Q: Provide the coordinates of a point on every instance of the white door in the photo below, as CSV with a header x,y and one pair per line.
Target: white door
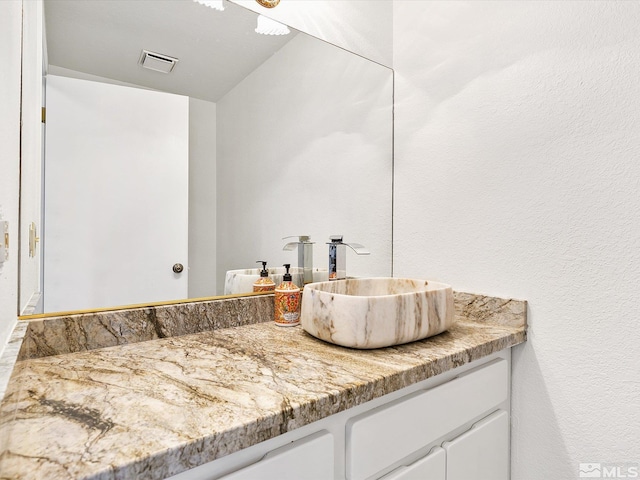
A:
x,y
116,195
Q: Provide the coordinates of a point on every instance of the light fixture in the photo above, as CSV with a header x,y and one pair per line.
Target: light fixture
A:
x,y
268,3
157,61
215,4
266,26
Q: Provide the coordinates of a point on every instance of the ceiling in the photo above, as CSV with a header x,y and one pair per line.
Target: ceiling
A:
x,y
215,49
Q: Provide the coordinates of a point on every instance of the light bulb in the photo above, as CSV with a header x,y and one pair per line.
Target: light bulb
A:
x,y
266,26
215,4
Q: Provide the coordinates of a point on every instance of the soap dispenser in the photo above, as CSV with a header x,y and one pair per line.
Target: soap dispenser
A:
x,y
287,307
264,283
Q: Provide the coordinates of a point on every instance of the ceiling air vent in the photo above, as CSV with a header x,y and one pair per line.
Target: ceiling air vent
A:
x,y
157,61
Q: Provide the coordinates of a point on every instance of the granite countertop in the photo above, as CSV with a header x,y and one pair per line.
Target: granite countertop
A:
x,y
155,408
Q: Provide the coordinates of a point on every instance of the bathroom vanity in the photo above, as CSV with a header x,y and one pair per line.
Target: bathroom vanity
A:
x,y
454,426
259,401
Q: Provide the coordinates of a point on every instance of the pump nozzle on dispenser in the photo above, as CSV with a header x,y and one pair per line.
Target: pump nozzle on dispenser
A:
x,y
287,276
264,283
263,272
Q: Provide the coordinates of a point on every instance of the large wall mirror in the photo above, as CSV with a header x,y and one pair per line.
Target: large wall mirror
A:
x,y
248,139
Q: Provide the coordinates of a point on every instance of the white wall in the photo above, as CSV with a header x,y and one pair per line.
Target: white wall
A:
x,y
303,149
518,175
10,52
363,27
202,198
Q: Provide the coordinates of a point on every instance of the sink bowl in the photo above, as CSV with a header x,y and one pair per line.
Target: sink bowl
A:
x,y
241,281
376,312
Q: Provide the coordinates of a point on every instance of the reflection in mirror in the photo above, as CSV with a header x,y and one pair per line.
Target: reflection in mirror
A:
x,y
249,139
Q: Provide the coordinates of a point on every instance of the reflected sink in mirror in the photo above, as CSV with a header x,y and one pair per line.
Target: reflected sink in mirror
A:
x,y
241,281
376,312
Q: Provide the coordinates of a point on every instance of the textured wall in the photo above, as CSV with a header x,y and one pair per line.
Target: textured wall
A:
x,y
517,174
10,51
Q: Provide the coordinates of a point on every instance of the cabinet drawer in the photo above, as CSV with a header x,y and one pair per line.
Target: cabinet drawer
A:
x,y
310,458
383,436
431,467
482,452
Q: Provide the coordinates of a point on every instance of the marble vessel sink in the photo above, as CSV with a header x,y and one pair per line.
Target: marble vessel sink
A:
x,y
376,312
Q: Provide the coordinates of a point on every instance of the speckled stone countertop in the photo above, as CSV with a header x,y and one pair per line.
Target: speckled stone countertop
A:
x,y
152,409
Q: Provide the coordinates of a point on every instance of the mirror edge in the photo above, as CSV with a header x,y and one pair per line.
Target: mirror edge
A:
x,y
39,316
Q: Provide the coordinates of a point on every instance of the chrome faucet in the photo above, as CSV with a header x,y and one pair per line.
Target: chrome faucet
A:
x,y
338,256
305,254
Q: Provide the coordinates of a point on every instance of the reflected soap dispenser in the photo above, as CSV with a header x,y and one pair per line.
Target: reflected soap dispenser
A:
x,y
264,283
287,307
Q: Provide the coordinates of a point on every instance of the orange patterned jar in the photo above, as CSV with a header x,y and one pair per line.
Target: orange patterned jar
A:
x,y
287,306
264,285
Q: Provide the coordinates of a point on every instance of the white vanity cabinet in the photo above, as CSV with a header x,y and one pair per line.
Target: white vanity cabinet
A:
x,y
482,452
454,426
431,467
383,436
309,458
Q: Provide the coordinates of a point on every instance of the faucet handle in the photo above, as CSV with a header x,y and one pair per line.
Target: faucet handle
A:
x,y
293,245
301,238
356,247
359,249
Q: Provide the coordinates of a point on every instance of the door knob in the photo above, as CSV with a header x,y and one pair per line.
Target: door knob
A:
x,y
178,268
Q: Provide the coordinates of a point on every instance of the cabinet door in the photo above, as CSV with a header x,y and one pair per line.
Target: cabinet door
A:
x,y
310,458
379,438
481,453
431,467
